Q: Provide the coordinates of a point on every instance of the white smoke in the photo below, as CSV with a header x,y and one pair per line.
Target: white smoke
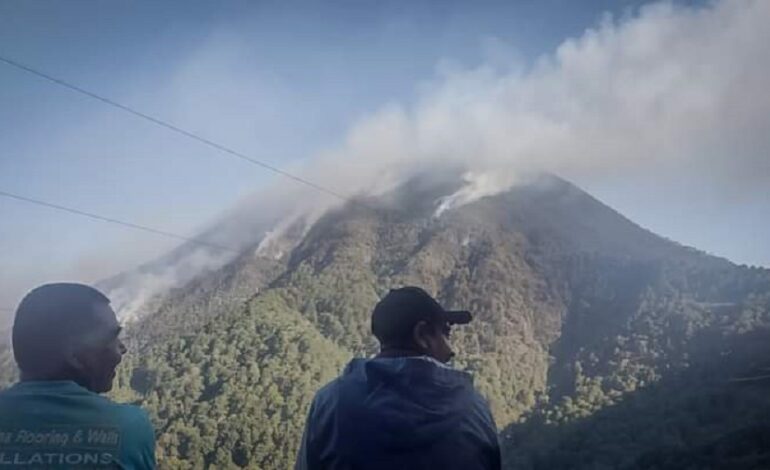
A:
x,y
262,225
672,89
280,240
138,287
476,186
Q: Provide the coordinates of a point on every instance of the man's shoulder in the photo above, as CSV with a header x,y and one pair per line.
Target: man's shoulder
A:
x,y
131,419
6,393
71,402
480,411
327,393
124,414
130,415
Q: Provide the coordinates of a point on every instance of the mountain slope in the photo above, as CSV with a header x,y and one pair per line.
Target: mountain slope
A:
x,y
578,311
576,306
712,414
222,397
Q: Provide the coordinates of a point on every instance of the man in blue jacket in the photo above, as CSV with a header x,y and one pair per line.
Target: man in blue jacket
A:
x,y
404,409
66,344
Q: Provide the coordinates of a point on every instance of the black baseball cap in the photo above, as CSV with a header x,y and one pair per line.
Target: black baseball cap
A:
x,y
395,315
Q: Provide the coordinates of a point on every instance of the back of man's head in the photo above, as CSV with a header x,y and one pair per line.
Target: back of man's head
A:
x,y
408,321
48,320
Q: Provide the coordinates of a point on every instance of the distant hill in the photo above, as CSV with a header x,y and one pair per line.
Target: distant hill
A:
x,y
597,343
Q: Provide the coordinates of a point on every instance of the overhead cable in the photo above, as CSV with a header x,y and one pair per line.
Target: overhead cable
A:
x,y
111,220
175,129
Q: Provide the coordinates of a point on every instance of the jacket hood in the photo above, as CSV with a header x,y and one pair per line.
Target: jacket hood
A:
x,y
402,402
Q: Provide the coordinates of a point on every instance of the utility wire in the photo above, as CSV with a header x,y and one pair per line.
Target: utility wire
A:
x,y
750,379
168,126
115,221
176,129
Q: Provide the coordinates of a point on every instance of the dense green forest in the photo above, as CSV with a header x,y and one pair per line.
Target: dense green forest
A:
x,y
597,343
228,395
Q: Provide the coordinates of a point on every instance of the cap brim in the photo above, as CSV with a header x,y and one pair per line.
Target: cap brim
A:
x,y
458,317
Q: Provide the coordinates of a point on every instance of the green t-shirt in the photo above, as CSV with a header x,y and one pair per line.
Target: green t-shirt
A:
x,y
63,425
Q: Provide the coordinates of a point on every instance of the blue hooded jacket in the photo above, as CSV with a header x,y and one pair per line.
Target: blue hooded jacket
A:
x,y
399,413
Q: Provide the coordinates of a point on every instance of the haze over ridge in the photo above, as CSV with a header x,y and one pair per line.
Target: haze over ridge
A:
x,y
669,93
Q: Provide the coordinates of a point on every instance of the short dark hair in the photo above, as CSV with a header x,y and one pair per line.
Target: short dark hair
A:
x,y
46,318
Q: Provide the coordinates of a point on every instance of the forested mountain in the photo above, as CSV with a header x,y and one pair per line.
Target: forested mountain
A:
x,y
597,343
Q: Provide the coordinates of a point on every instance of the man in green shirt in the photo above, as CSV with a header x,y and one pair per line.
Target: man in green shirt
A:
x,y
67,346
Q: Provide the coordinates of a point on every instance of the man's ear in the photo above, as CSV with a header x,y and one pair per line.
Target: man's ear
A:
x,y
419,336
72,358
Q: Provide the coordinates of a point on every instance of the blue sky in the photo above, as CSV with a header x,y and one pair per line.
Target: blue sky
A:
x,y
280,81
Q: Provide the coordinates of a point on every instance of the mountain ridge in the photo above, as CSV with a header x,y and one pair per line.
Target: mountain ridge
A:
x,y
577,309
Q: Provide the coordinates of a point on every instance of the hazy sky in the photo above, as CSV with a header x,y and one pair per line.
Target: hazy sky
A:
x,y
287,81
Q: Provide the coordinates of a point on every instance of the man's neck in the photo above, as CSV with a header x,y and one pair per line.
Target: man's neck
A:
x,y
399,352
52,377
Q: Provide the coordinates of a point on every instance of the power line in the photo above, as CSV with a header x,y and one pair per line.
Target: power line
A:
x,y
168,126
116,221
750,379
176,129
